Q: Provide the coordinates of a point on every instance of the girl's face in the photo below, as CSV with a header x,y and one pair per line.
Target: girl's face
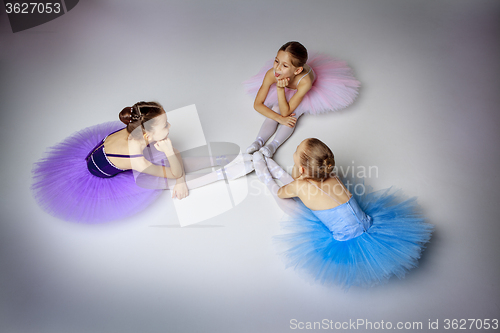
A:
x,y
283,67
160,128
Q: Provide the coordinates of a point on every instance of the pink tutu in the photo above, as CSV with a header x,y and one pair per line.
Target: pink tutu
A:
x,y
334,88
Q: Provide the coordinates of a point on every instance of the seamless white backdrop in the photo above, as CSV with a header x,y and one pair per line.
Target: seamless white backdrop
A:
x,y
426,117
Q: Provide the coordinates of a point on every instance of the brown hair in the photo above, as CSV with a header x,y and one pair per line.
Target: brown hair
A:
x,y
297,51
139,115
318,160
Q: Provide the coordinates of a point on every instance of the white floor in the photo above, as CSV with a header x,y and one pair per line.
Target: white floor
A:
x,y
426,117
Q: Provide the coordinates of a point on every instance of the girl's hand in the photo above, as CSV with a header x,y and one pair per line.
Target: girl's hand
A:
x,y
282,83
180,191
165,146
288,121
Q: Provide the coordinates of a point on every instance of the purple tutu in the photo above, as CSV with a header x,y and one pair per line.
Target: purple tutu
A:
x,y
334,88
64,187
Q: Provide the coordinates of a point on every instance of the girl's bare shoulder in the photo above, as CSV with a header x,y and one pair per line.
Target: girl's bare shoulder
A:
x,y
306,79
303,186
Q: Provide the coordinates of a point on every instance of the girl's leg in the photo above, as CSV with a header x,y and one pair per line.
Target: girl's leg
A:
x,y
282,134
232,171
194,163
266,131
239,167
201,157
289,206
277,172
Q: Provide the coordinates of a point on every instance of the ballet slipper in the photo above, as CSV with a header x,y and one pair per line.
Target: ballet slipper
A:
x,y
239,169
255,146
268,150
276,171
261,168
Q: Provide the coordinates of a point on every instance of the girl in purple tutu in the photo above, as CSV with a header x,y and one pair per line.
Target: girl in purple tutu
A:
x,y
295,85
337,236
92,176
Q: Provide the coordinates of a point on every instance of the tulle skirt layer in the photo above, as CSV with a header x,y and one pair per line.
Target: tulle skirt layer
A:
x,y
335,86
390,247
64,188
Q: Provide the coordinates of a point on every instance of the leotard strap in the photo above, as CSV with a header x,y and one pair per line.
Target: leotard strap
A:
x,y
117,155
101,145
341,184
310,69
124,156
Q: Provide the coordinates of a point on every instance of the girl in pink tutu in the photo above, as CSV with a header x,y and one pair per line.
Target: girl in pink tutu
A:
x,y
88,177
296,85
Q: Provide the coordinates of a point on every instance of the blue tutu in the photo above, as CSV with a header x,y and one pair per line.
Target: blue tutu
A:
x,y
64,187
389,244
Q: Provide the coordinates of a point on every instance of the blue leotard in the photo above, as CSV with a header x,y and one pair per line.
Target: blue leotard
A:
x,y
345,221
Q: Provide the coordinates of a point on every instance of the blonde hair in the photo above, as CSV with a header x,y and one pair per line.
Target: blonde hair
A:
x,y
317,160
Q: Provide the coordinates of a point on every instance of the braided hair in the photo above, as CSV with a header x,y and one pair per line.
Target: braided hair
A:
x,y
317,160
139,115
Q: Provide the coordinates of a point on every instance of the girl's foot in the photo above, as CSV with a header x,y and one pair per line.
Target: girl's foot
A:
x,y
277,172
261,168
239,167
255,146
268,150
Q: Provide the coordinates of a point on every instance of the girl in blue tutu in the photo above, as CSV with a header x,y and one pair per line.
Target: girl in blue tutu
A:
x,y
89,176
336,236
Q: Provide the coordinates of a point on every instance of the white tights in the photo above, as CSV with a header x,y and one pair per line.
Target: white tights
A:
x,y
240,165
267,130
268,172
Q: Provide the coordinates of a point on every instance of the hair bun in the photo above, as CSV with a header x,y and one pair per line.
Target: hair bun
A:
x,y
126,116
139,115
130,114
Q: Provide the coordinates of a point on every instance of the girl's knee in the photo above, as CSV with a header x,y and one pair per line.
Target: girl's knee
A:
x,y
298,114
